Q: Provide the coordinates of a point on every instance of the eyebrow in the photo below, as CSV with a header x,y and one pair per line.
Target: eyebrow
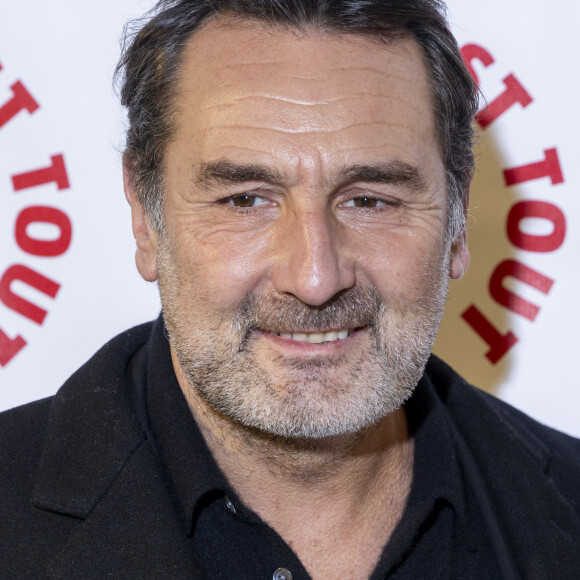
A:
x,y
395,173
228,173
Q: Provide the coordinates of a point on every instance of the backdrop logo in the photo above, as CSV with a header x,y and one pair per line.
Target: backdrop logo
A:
x,y
546,165
19,104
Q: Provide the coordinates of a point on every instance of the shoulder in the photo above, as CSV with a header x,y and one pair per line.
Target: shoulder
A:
x,y
492,427
21,434
59,454
523,476
23,429
31,417
464,399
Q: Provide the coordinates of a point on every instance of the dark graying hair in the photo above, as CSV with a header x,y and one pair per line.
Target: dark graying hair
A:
x,y
153,47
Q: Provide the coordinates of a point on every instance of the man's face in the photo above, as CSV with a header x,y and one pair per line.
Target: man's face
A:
x,y
303,270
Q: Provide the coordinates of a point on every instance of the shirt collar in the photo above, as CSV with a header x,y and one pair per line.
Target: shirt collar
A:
x,y
437,473
189,468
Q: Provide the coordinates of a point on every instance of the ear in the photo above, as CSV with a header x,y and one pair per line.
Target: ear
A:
x,y
459,251
145,236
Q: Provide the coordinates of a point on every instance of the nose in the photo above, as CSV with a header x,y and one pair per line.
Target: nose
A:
x,y
312,260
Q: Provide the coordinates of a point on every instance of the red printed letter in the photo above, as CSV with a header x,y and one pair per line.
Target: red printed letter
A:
x,y
54,173
33,279
549,167
471,52
513,94
498,343
531,242
526,275
47,215
9,347
21,100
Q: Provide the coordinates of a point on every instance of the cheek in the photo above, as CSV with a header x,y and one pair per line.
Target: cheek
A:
x,y
221,270
403,268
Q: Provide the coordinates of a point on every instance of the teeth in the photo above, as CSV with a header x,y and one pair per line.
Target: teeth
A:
x,y
316,337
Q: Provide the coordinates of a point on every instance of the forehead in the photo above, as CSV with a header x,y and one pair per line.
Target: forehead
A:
x,y
306,90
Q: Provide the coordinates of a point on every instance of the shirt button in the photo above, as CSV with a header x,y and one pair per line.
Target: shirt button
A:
x,y
230,506
282,574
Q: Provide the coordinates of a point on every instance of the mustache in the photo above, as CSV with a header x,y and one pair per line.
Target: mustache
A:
x,y
350,308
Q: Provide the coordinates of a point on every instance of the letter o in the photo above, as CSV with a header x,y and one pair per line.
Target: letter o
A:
x,y
47,215
531,242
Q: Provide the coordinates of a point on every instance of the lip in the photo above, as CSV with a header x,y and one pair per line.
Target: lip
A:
x,y
298,348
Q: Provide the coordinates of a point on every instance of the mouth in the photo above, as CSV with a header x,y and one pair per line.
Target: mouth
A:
x,y
319,337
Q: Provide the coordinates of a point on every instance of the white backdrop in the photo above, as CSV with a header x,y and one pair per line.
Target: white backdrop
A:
x,y
67,277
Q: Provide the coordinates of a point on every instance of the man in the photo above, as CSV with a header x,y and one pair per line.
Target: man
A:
x,y
298,175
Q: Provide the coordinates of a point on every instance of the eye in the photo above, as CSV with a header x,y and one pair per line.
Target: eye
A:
x,y
247,201
364,202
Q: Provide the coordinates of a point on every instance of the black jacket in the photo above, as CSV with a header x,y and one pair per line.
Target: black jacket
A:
x,y
81,494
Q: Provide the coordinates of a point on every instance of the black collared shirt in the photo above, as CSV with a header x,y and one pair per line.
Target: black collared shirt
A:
x,y
441,534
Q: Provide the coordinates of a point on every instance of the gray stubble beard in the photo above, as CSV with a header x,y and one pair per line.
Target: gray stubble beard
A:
x,y
309,404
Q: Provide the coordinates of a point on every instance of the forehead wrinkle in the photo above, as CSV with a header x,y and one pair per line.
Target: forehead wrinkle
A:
x,y
328,79
325,75
330,83
302,130
295,101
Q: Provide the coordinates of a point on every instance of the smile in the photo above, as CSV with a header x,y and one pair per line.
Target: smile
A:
x,y
316,337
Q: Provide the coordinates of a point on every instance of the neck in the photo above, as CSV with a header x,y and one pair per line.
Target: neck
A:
x,y
335,501
353,465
